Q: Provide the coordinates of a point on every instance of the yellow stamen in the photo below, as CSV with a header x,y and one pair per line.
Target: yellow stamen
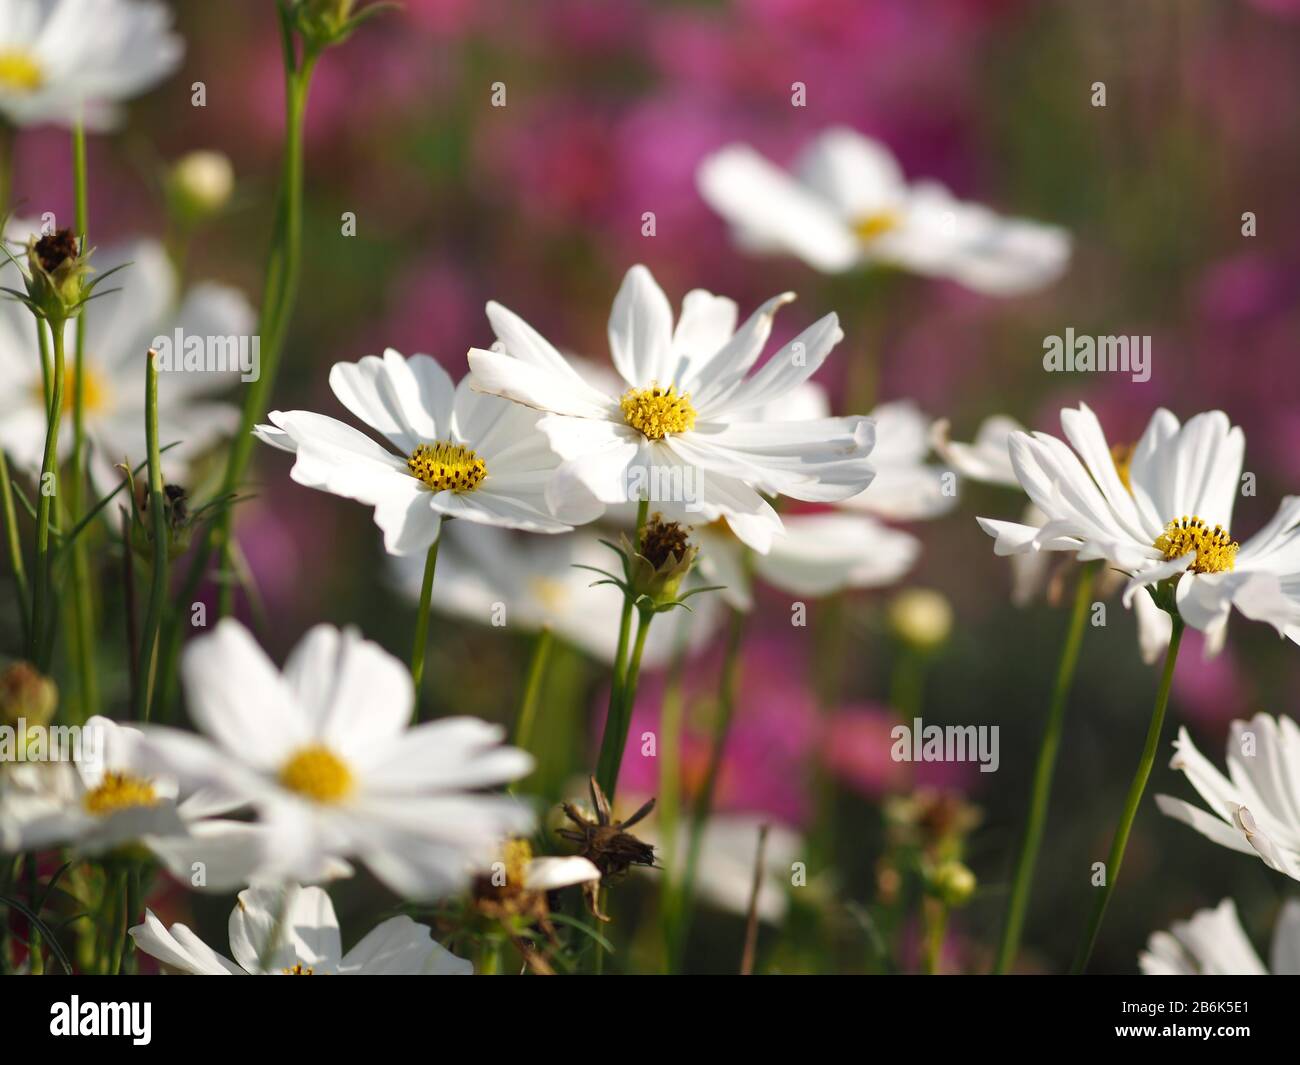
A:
x,y
94,392
317,773
1216,550
118,791
299,970
516,854
656,411
1122,456
19,72
877,224
447,467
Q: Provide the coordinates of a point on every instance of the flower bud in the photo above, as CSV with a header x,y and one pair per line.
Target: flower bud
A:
x,y
56,275
920,617
26,694
952,883
325,22
199,185
666,556
180,524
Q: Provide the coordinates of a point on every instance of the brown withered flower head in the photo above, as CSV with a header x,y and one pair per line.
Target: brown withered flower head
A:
x,y
54,249
606,843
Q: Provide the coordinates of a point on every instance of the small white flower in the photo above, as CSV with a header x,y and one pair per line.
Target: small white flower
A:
x,y
293,931
684,430
462,454
323,753
525,583
1256,808
120,328
111,796
1213,943
1162,511
61,60
847,204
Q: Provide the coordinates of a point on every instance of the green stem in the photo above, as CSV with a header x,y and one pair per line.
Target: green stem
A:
x,y
625,621
422,621
158,522
14,544
1044,770
279,294
527,719
614,741
279,291
82,603
936,925
47,490
1131,804
703,805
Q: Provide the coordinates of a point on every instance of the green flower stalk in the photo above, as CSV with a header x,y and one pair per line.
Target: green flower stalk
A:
x,y
653,571
422,621
159,529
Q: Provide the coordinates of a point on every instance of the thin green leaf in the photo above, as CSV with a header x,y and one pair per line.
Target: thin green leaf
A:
x,y
55,947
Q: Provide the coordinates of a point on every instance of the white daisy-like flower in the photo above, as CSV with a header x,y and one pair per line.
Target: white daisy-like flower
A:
x,y
503,579
683,430
323,752
65,60
293,931
1213,943
987,460
120,328
460,454
1255,809
728,856
847,204
1161,511
109,796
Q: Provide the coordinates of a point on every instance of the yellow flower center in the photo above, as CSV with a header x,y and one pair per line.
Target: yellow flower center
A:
x,y
551,593
447,467
94,392
1216,550
1122,456
869,227
516,854
19,72
118,791
656,412
299,970
318,774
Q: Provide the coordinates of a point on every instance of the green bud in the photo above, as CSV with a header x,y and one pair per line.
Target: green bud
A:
x,y
920,617
952,883
27,694
199,185
665,558
56,275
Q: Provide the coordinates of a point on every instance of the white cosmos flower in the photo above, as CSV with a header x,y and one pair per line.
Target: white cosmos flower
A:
x,y
1162,510
987,460
847,204
120,328
728,855
293,931
109,796
324,754
461,454
1213,943
526,583
61,60
1256,808
683,430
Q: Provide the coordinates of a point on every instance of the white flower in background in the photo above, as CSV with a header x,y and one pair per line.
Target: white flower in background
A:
x,y
292,931
1162,510
324,754
120,328
847,204
988,461
110,796
1255,809
1213,943
462,454
728,854
523,583
683,430
61,60
819,555
906,487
